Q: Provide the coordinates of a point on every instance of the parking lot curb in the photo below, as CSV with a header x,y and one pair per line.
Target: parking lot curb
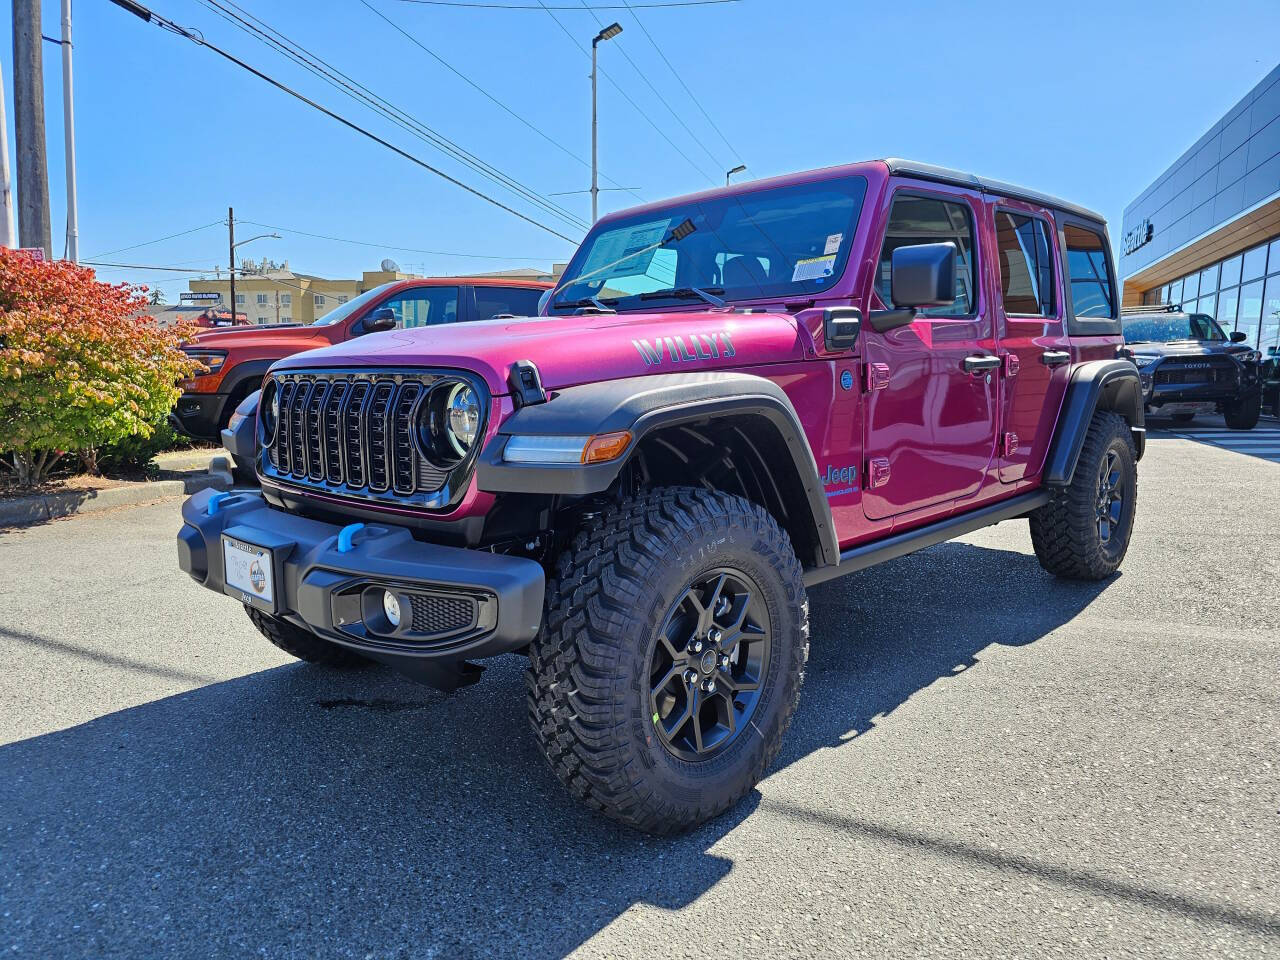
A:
x,y
24,511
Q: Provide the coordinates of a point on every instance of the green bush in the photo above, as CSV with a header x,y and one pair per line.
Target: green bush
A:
x,y
132,456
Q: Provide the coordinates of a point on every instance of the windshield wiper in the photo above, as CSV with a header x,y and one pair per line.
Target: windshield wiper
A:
x,y
599,304
688,293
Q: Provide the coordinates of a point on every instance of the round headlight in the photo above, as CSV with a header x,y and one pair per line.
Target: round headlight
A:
x,y
269,410
462,409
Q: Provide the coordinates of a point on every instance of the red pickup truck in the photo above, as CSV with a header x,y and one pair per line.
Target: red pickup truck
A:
x,y
238,357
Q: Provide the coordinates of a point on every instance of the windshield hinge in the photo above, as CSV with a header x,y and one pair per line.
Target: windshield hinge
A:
x,y
526,384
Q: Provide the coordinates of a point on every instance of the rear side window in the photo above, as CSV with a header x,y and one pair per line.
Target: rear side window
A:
x,y
517,301
931,220
1089,272
1026,264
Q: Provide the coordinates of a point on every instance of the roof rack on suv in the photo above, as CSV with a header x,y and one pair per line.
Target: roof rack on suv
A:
x,y
1152,308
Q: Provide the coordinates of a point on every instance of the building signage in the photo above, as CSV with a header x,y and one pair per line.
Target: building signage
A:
x,y
209,297
1139,236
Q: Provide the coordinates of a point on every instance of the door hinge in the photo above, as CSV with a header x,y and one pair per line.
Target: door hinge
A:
x,y
1008,444
877,472
876,376
1011,364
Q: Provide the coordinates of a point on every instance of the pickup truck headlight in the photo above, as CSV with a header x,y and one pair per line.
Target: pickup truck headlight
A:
x,y
1144,360
213,359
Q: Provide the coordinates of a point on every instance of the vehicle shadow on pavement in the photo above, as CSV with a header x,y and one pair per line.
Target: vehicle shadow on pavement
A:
x,y
303,812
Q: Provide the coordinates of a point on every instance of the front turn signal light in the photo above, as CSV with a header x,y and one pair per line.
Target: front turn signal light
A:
x,y
604,447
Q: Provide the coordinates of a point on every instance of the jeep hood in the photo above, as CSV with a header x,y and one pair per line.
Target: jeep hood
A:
x,y
569,350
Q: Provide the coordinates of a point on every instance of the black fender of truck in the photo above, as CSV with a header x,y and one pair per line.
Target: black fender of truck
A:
x,y
1096,385
643,406
246,372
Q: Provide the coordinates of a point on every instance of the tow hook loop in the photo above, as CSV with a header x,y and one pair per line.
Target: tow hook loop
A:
x,y
346,535
215,502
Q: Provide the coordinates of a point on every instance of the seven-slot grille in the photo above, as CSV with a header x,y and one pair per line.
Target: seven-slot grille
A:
x,y
353,433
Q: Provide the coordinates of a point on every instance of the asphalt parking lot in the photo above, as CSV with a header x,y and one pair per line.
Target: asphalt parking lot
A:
x,y
985,762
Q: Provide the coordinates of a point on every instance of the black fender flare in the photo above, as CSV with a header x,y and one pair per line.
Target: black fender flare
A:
x,y
643,405
242,438
248,370
1098,384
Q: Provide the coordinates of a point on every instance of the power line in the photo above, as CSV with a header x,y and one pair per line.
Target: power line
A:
x,y
663,100
318,66
625,95
448,66
169,25
632,7
138,266
160,240
477,5
386,246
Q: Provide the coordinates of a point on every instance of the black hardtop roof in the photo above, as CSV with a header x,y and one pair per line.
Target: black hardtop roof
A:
x,y
929,171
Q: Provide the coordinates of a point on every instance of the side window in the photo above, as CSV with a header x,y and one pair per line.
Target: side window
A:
x,y
424,307
916,219
517,301
1089,272
1026,264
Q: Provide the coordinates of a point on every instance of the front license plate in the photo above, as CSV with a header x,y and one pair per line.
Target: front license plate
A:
x,y
247,570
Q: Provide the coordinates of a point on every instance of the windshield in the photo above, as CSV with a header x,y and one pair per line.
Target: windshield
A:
x,y
785,242
344,310
1164,327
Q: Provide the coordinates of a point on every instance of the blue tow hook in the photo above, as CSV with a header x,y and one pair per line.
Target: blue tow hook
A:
x,y
346,536
215,502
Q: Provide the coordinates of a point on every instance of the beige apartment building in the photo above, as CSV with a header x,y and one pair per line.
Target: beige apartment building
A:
x,y
276,294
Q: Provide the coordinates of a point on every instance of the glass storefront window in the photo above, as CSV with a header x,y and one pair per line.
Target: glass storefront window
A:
x,y
1190,287
1231,271
1255,263
1226,313
1175,292
1250,310
1269,335
1273,263
1208,279
1207,304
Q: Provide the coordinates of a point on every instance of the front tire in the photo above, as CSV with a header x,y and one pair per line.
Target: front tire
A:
x,y
671,657
303,644
1082,533
1242,414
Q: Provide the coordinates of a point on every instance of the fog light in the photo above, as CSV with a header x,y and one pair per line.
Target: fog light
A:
x,y
391,607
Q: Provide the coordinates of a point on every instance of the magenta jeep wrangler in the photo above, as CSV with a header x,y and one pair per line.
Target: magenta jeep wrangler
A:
x,y
730,398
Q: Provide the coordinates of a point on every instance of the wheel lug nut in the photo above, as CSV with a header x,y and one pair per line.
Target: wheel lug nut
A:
x,y
724,662
715,635
709,686
690,677
697,646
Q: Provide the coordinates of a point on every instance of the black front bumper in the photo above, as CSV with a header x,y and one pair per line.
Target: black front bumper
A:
x,y
456,603
199,415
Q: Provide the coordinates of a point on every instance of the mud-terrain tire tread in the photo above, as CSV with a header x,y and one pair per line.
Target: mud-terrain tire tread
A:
x,y
1064,531
595,595
303,644
1243,414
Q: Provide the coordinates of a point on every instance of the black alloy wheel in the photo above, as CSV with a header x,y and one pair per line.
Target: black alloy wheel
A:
x,y
1111,496
706,664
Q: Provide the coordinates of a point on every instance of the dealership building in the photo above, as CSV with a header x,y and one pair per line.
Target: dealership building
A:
x,y
1206,233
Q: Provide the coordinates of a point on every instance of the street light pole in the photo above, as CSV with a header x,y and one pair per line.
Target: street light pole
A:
x,y
231,252
69,133
608,33
729,173
7,236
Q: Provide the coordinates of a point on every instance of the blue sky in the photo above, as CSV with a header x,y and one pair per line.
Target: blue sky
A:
x,y
1090,101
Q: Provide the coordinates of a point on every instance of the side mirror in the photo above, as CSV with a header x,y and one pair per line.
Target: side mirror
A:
x,y
1239,336
924,275
382,319
840,327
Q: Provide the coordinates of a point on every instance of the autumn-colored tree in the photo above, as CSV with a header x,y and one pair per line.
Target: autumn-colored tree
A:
x,y
81,364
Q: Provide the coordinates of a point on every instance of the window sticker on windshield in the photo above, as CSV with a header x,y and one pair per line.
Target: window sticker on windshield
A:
x,y
811,268
616,246
833,243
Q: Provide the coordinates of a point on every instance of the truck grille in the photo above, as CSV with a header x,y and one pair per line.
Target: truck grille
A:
x,y
353,434
1196,370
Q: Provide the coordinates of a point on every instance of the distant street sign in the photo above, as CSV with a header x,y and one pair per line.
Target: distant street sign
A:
x,y
200,297
35,253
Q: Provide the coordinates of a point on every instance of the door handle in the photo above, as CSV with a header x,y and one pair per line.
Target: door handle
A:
x,y
979,364
1055,358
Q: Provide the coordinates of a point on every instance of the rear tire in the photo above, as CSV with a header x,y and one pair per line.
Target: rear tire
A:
x,y
1243,414
1082,533
303,644
659,616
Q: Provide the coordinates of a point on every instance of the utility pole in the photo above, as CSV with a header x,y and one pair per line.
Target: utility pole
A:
x,y
608,33
7,236
69,133
231,252
28,123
